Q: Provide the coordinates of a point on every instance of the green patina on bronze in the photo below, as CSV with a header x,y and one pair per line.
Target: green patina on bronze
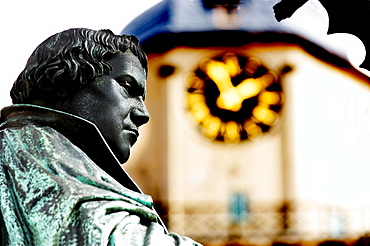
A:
x,y
61,180
53,194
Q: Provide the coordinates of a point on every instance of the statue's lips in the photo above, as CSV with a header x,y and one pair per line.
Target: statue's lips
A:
x,y
133,134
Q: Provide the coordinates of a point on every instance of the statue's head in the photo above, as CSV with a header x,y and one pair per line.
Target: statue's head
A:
x,y
65,62
95,75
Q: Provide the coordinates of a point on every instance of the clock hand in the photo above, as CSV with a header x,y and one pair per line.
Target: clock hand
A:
x,y
249,88
253,86
232,99
232,64
218,72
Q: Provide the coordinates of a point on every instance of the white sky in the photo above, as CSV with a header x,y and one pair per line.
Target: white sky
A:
x,y
26,23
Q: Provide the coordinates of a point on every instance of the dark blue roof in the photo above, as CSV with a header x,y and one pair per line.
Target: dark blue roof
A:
x,y
173,23
152,22
179,16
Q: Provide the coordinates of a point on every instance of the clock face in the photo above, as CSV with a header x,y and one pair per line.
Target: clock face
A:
x,y
234,98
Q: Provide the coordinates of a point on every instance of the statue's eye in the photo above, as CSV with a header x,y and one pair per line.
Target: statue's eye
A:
x,y
131,86
127,85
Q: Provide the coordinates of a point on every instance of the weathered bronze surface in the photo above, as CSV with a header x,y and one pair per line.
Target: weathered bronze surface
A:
x,y
77,108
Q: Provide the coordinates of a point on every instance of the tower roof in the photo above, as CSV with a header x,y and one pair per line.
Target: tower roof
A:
x,y
205,23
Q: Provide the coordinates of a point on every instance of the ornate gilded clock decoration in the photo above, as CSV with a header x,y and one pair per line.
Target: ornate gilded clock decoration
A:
x,y
234,98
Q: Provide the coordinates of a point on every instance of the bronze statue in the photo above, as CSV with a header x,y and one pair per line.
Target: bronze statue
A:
x,y
77,108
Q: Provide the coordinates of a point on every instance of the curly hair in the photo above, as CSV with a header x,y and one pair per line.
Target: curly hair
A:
x,y
65,62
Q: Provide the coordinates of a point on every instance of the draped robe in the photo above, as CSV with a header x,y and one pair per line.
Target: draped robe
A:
x,y
60,184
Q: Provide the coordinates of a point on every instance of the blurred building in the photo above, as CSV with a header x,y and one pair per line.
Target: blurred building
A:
x,y
259,129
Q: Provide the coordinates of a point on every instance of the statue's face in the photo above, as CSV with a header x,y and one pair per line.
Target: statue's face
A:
x,y
115,103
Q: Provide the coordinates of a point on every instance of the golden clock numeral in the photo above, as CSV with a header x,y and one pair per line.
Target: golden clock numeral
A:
x,y
251,66
268,78
197,106
195,98
232,132
271,97
252,129
200,114
232,64
211,126
195,84
264,115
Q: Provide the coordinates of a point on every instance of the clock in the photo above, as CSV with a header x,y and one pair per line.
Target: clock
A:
x,y
234,98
